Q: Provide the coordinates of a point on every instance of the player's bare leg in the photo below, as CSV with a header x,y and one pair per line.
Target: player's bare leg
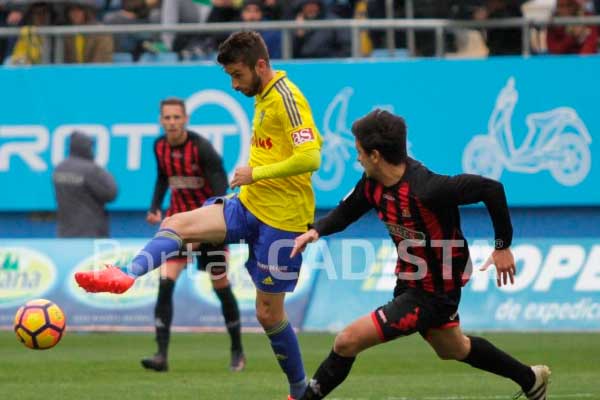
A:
x,y
452,344
163,314
355,338
204,225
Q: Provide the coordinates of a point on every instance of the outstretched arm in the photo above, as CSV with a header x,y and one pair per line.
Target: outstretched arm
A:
x,y
300,162
470,189
349,210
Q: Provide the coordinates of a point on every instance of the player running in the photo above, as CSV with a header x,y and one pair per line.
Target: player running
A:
x,y
420,211
275,204
189,165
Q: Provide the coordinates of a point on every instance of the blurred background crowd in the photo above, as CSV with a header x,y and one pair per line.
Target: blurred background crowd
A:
x,y
31,48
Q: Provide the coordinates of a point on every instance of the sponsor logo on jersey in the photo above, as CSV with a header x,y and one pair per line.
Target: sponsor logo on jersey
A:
x,y
264,143
404,232
186,182
302,136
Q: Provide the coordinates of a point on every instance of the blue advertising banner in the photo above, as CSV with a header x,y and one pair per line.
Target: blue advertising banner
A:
x,y
557,286
44,269
498,117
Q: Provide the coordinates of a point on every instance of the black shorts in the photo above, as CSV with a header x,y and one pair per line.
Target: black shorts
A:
x,y
209,258
413,310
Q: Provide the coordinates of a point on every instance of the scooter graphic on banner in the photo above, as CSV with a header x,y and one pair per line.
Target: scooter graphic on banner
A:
x,y
556,140
338,142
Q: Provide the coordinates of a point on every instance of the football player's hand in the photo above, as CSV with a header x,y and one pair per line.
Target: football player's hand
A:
x,y
505,266
154,217
242,176
301,241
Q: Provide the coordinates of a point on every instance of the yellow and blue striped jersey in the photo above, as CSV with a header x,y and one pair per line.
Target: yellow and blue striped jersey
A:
x,y
283,125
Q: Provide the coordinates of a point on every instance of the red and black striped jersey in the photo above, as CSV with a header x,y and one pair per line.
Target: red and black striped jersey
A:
x,y
192,170
421,214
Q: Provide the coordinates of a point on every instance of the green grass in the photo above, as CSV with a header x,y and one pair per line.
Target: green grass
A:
x,y
106,366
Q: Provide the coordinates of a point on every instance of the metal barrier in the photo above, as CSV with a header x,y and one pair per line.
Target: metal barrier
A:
x,y
439,26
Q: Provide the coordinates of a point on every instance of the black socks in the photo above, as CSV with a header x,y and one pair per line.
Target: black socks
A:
x,y
487,357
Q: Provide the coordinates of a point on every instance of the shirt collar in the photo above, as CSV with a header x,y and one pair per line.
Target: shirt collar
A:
x,y
278,76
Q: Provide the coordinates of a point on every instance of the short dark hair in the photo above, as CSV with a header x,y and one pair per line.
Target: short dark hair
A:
x,y
173,101
382,131
245,46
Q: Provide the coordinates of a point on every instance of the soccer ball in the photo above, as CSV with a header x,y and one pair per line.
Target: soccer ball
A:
x,y
39,324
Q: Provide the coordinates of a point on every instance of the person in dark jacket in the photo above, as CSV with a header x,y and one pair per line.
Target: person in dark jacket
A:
x,y
82,189
501,41
320,43
252,11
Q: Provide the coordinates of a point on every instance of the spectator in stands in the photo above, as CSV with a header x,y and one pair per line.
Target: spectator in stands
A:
x,y
199,46
32,48
252,12
424,40
342,8
573,39
80,48
501,41
82,189
134,12
319,43
5,11
275,10
182,11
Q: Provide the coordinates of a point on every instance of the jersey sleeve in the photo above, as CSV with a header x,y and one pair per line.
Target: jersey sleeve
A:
x,y
212,165
463,189
297,121
351,208
161,184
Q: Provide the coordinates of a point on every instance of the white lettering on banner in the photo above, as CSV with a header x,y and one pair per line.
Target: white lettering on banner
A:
x,y
134,134
480,251
528,258
98,132
216,133
31,142
508,311
534,270
28,151
365,249
562,262
545,312
589,279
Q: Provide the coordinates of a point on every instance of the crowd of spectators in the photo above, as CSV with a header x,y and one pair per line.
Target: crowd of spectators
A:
x,y
31,48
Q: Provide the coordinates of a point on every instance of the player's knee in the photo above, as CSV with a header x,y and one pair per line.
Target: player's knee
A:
x,y
266,317
174,223
166,223
452,353
347,344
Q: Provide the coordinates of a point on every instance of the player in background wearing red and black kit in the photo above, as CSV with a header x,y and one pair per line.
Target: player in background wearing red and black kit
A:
x,y
189,165
420,211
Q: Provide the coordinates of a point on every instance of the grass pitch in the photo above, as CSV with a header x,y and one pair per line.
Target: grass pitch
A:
x,y
106,366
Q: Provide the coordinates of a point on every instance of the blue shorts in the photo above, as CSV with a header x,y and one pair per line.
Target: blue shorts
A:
x,y
269,263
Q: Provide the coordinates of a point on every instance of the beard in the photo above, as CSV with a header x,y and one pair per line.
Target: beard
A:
x,y
255,87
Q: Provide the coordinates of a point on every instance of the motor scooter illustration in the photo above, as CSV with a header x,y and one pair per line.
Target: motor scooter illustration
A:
x,y
556,140
338,143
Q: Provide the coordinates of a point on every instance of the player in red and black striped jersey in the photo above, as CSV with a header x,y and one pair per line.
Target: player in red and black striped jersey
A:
x,y
420,210
189,166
